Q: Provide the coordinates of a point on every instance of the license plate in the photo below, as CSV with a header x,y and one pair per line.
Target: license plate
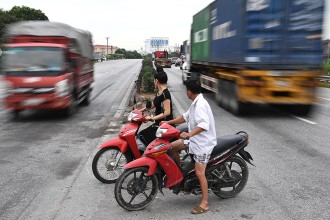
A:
x,y
35,101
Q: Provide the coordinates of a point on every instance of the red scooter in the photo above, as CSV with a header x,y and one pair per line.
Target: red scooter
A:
x,y
226,172
109,161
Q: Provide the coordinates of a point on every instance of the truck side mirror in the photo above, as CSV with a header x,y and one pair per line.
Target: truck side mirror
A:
x,y
74,62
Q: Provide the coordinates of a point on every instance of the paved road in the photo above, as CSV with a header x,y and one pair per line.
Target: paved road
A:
x,y
50,177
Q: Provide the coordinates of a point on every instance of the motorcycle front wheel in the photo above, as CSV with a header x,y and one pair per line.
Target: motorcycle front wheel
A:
x,y
134,190
108,164
229,187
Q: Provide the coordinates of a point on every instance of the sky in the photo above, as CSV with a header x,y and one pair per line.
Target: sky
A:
x,y
128,23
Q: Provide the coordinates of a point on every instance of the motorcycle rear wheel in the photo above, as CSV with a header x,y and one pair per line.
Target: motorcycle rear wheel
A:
x,y
104,164
239,172
134,190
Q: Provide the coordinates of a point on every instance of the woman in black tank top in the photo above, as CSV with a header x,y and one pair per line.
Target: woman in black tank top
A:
x,y
163,104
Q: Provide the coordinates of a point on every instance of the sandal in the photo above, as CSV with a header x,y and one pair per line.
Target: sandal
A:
x,y
198,210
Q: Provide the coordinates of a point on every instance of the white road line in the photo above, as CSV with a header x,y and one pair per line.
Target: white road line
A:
x,y
324,98
305,120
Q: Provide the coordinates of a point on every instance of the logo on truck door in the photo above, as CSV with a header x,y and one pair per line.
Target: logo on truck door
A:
x,y
200,36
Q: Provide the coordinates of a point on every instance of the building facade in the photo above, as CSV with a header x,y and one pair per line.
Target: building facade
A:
x,y
104,50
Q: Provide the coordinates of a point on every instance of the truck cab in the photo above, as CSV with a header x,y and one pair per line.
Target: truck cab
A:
x,y
46,70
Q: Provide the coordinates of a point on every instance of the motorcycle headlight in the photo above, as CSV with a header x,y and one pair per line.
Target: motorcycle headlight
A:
x,y
160,132
131,116
62,88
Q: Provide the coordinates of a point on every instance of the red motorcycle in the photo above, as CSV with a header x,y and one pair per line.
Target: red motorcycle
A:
x,y
109,161
226,172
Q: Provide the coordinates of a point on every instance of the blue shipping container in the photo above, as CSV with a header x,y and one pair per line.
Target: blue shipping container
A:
x,y
259,34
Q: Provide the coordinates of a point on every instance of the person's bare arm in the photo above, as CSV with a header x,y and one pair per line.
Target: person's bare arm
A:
x,y
167,111
194,132
177,120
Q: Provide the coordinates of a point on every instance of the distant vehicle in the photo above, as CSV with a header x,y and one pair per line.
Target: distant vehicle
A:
x,y
161,59
47,65
173,59
178,62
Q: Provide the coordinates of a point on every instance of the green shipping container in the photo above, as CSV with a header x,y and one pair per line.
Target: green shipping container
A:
x,y
200,35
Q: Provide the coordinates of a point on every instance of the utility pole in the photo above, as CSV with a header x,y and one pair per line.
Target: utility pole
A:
x,y
107,44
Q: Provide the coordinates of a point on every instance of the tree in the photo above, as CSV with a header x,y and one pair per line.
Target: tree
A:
x,y
120,51
24,13
18,14
129,54
5,18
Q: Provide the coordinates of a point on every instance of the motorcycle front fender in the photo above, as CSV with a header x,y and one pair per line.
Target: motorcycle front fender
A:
x,y
142,162
116,142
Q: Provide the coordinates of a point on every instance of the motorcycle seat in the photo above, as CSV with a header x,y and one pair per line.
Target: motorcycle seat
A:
x,y
226,142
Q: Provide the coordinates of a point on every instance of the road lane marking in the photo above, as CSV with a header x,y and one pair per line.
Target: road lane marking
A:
x,y
324,98
305,120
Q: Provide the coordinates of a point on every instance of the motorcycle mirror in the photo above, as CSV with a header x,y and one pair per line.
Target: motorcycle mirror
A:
x,y
148,104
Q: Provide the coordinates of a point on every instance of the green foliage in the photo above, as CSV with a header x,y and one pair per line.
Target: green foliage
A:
x,y
5,18
24,13
129,54
147,73
120,51
18,14
115,57
326,67
148,79
147,62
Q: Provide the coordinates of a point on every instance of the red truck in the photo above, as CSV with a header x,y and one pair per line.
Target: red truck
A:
x,y
47,65
161,59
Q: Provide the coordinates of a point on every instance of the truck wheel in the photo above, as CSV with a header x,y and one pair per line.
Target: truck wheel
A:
x,y
71,109
219,95
225,94
235,106
299,109
86,100
15,113
302,110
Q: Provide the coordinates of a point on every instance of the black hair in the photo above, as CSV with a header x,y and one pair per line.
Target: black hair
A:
x,y
194,86
161,77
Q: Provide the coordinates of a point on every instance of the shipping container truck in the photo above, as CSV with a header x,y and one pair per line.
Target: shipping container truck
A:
x,y
161,59
47,65
264,51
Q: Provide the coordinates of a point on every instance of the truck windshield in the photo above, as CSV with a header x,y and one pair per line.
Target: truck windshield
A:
x,y
33,61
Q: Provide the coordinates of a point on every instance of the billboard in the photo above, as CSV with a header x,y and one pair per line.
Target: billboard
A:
x,y
159,42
